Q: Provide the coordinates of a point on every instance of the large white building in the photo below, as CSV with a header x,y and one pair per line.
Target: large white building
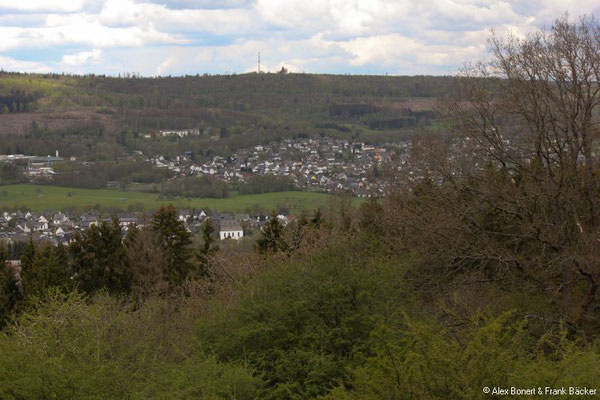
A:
x,y
230,229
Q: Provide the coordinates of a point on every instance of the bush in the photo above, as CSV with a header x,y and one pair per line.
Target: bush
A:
x,y
302,323
100,348
422,360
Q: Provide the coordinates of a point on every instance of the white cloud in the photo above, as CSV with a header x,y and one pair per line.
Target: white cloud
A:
x,y
43,5
10,64
216,21
189,36
61,30
83,57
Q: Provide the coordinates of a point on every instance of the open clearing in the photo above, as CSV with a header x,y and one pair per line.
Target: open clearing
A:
x,y
43,198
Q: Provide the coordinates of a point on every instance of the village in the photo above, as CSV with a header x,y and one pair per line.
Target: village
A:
x,y
62,227
323,163
319,164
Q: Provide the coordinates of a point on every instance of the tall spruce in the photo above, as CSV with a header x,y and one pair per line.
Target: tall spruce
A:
x,y
176,243
272,239
100,259
49,267
10,292
207,250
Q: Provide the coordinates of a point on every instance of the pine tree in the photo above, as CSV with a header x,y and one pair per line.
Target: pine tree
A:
x,y
272,239
100,259
175,241
207,250
10,292
27,264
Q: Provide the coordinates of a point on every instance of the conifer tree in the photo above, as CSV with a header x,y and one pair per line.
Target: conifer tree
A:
x,y
27,259
175,241
207,250
100,259
272,240
10,292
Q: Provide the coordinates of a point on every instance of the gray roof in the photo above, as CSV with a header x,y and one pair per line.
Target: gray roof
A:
x,y
227,225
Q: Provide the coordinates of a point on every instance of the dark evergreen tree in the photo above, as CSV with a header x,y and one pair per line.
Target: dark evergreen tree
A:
x,y
27,263
10,292
272,239
175,242
207,250
50,268
317,218
100,259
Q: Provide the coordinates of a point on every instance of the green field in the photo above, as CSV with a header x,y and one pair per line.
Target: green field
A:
x,y
43,198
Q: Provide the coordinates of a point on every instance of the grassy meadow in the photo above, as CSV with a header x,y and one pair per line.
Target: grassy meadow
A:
x,y
41,198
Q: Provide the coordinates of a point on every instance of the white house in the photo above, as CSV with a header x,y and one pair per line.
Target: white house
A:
x,y
230,229
42,224
59,218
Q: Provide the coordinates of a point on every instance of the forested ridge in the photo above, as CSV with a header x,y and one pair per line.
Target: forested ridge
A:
x,y
480,271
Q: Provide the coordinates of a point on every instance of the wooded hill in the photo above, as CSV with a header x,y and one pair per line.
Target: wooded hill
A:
x,y
241,110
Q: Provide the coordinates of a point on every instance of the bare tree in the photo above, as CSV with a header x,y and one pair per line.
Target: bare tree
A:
x,y
513,197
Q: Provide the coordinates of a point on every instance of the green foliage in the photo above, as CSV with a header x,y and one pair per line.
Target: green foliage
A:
x,y
99,259
175,242
302,323
10,174
272,240
44,267
10,292
70,347
98,174
421,360
207,249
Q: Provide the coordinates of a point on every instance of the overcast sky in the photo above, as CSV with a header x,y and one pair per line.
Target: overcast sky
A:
x,y
160,37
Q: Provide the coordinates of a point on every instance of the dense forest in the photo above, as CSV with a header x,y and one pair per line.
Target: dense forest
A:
x,y
480,272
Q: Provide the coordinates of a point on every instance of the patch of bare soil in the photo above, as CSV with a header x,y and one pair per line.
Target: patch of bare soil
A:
x,y
415,105
20,123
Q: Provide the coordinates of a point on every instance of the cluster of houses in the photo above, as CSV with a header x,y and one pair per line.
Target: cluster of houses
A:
x,y
56,227
62,227
327,164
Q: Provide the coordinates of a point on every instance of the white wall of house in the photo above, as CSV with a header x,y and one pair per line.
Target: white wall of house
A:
x,y
238,234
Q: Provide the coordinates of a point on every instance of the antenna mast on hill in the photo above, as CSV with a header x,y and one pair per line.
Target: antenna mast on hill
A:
x,y
259,62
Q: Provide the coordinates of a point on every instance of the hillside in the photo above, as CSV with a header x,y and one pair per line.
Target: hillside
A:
x,y
101,116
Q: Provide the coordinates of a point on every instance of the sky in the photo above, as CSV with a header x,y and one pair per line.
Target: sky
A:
x,y
179,37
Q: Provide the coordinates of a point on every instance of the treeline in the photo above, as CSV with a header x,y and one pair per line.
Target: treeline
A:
x,y
241,93
109,117
155,259
10,174
208,186
266,184
98,174
16,101
196,186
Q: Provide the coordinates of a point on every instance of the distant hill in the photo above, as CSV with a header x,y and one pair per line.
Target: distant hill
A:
x,y
76,113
